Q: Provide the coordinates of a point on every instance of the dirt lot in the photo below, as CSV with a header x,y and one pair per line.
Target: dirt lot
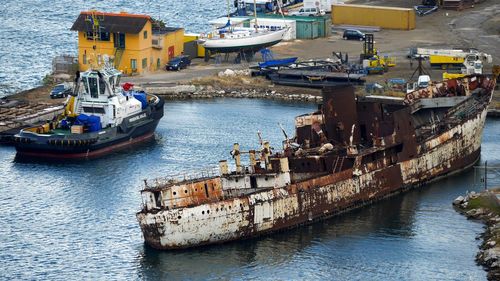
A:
x,y
470,28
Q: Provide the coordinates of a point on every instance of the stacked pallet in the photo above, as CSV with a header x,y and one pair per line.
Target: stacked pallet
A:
x,y
458,5
15,114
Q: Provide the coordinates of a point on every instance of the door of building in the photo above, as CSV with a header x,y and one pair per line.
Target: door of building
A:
x,y
170,52
119,40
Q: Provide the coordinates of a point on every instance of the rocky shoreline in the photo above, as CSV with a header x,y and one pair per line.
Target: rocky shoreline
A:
x,y
484,206
181,92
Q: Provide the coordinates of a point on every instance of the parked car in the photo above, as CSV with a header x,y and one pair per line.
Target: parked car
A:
x,y
60,91
353,34
178,63
307,12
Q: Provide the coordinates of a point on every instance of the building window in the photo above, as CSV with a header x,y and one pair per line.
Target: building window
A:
x,y
144,62
133,64
145,33
158,64
102,36
84,60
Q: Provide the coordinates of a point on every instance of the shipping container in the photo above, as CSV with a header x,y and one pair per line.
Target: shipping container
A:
x,y
305,27
191,46
384,17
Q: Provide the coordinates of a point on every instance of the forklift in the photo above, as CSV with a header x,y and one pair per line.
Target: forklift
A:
x,y
370,59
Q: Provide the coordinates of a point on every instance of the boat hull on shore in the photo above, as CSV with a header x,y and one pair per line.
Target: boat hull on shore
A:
x,y
251,43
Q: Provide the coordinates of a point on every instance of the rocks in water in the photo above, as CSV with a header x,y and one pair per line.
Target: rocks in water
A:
x,y
459,200
475,213
486,209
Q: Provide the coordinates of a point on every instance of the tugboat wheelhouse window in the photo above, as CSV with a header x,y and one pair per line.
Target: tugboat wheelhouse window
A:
x,y
102,86
93,87
85,85
88,109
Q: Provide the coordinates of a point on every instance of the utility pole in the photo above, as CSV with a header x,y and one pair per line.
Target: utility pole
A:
x,y
485,175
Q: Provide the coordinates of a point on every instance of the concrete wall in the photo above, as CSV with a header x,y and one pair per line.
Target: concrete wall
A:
x,y
384,17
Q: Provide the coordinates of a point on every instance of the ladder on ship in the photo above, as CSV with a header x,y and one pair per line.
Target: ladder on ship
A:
x,y
339,162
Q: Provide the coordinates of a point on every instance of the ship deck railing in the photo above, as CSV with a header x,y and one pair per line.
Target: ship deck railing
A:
x,y
182,178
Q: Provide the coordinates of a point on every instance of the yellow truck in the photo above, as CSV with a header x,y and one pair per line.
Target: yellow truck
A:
x,y
451,58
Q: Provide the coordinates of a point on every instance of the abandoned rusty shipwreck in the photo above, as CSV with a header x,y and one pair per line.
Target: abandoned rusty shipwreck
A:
x,y
351,152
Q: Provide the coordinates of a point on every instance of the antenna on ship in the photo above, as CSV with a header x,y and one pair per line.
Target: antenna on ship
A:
x,y
255,15
286,142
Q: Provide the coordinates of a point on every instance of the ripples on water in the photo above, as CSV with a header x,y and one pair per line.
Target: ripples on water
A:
x,y
33,32
64,221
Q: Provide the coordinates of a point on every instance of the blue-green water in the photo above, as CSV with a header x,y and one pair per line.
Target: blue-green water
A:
x,y
76,221
33,32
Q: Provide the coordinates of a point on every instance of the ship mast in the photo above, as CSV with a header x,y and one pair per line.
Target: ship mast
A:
x,y
255,15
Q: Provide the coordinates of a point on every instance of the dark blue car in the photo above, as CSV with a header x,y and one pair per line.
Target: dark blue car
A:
x,y
60,91
178,63
353,34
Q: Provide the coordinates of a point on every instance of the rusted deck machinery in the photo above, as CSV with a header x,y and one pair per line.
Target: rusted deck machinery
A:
x,y
350,153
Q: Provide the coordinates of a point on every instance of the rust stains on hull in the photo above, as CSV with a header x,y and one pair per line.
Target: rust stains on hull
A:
x,y
387,149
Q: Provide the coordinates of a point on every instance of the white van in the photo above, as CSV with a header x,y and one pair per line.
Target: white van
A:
x,y
307,12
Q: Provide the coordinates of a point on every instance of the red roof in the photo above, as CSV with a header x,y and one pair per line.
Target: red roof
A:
x,y
111,22
120,14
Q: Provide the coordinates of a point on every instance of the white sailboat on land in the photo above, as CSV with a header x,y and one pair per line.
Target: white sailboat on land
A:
x,y
228,39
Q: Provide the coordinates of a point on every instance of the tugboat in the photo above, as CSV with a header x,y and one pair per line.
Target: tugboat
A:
x,y
99,117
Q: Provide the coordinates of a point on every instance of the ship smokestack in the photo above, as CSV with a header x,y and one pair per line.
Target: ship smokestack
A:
x,y
237,157
251,154
223,168
267,152
284,165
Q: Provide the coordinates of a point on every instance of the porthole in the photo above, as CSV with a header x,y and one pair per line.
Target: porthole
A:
x,y
208,211
241,205
179,217
217,209
229,207
175,193
185,191
202,212
265,178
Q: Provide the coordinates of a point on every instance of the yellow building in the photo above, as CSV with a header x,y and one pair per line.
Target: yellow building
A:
x,y
136,44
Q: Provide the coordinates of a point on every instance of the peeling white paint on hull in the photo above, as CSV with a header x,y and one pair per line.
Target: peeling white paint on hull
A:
x,y
289,206
351,152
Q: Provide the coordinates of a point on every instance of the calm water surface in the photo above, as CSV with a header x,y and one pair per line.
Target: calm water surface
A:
x,y
33,32
76,221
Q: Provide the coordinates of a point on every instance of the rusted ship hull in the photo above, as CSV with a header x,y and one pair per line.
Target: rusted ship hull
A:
x,y
302,201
